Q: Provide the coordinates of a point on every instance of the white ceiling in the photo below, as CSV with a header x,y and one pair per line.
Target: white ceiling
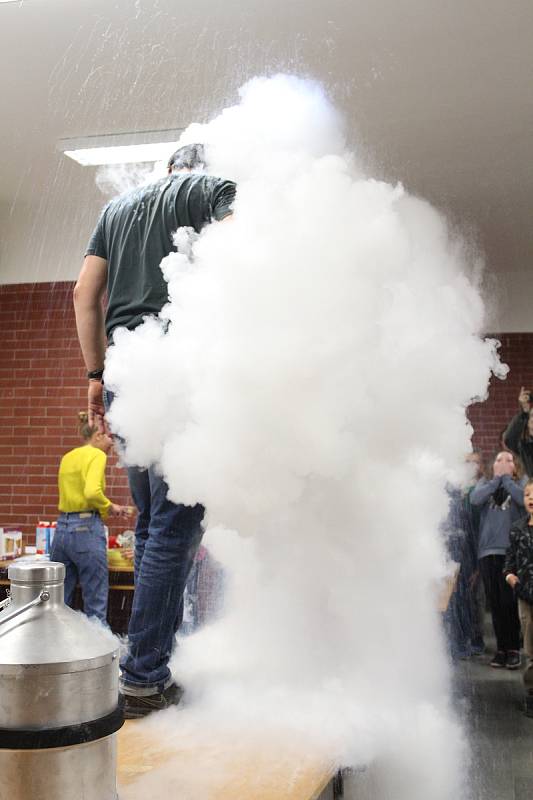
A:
x,y
437,94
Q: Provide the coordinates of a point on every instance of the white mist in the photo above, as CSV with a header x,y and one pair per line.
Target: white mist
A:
x,y
311,392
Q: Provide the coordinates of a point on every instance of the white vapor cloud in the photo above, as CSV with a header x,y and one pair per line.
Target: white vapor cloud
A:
x,y
311,392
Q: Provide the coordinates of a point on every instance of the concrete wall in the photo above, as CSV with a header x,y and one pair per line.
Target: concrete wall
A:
x,y
513,311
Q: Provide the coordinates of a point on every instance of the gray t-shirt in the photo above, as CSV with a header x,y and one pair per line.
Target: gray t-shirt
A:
x,y
134,234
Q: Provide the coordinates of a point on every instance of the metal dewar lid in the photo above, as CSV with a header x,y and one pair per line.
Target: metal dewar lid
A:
x,y
48,636
57,667
37,572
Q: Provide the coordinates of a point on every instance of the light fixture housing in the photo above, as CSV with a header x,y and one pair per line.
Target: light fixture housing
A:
x,y
122,148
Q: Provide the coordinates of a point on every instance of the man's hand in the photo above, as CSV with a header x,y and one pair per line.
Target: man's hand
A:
x,y
95,406
512,580
524,400
88,296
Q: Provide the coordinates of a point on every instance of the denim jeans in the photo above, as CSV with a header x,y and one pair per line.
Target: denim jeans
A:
x,y
80,544
167,537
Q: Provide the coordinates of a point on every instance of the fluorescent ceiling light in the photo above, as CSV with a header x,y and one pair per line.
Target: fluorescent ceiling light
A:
x,y
127,154
121,148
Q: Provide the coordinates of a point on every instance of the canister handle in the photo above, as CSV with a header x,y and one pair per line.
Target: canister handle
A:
x,y
43,597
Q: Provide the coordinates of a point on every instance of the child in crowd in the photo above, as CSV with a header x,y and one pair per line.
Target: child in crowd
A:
x,y
501,503
519,576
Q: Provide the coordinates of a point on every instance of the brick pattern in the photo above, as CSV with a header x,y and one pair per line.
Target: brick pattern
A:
x,y
42,388
490,419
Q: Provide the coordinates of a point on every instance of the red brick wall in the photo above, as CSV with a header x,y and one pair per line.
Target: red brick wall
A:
x,y
490,418
42,388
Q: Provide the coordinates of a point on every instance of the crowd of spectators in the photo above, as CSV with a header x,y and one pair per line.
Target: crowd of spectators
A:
x,y
489,533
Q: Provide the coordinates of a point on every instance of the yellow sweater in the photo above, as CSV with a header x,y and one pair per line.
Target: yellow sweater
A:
x,y
81,481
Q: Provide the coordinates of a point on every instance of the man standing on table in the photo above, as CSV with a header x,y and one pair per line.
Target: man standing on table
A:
x,y
134,233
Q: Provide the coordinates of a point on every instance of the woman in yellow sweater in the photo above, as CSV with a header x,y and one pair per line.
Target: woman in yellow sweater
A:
x,y
79,541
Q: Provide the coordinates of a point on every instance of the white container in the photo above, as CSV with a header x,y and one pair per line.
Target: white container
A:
x,y
10,543
44,536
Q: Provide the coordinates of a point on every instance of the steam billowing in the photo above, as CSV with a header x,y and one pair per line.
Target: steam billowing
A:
x,y
311,392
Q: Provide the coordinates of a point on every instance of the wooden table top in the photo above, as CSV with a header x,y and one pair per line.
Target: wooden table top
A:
x,y
163,758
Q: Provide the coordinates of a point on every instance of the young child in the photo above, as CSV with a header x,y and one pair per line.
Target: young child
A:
x,y
518,572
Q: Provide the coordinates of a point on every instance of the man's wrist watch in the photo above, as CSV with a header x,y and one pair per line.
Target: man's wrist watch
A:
x,y
95,375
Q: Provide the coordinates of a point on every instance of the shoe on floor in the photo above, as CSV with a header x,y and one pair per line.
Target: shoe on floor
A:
x,y
513,659
136,707
499,659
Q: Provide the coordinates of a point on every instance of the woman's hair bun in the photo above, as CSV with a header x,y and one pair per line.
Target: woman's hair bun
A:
x,y
86,430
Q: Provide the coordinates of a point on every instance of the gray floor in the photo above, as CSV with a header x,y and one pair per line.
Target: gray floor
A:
x,y
501,736
490,704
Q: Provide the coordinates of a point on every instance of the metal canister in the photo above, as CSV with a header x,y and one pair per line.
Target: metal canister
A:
x,y
59,709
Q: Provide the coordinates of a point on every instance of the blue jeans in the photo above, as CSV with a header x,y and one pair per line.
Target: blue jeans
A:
x,y
167,537
80,544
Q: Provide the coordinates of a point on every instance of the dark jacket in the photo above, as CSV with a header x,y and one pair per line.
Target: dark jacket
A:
x,y
519,558
517,439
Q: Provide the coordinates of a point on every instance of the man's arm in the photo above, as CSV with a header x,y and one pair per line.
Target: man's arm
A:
x,y
515,429
88,306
